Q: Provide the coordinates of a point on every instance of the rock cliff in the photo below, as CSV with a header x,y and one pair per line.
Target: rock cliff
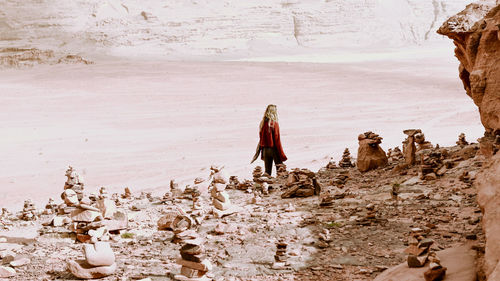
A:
x,y
476,34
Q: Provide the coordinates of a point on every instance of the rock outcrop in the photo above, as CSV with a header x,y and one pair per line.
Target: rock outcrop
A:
x,y
476,34
488,184
370,154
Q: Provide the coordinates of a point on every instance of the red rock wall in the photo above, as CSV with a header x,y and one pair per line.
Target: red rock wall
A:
x,y
476,35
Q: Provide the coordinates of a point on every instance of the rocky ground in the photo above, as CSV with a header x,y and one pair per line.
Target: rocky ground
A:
x,y
362,229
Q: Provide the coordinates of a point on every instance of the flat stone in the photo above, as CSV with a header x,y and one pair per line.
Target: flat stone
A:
x,y
83,270
184,278
191,249
20,262
82,215
202,266
435,274
6,272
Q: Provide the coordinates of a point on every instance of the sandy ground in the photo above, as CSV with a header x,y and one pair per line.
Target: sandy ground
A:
x,y
142,123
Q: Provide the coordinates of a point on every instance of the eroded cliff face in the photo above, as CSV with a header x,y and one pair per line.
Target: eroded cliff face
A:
x,y
476,34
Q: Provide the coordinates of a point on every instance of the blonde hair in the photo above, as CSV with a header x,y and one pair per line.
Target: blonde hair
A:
x,y
270,114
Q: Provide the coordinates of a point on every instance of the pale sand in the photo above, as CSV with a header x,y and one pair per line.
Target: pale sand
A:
x,y
140,124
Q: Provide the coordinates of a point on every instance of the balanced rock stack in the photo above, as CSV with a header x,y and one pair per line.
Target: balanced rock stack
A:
x,y
422,143
370,154
234,182
394,155
432,165
371,216
51,207
29,211
106,205
281,255
281,171
220,200
409,148
83,218
331,164
301,183
418,249
341,179
99,262
436,271
193,260
74,182
346,159
257,172
461,140
126,193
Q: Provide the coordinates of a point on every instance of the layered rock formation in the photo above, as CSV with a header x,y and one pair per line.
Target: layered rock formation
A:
x,y
476,34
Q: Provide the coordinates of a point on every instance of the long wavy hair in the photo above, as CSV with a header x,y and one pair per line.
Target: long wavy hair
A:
x,y
271,115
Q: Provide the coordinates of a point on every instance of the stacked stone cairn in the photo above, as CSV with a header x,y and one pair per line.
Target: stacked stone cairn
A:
x,y
346,159
409,148
461,140
436,271
126,193
257,172
371,216
74,182
99,262
419,248
432,165
234,182
301,183
421,142
281,256
394,155
51,207
29,211
331,164
341,179
281,171
193,260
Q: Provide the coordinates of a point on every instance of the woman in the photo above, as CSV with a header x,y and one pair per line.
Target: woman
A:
x,y
270,143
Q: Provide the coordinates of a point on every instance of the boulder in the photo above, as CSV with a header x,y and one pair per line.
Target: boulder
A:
x,y
370,155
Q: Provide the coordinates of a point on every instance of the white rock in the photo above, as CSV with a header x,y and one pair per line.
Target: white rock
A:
x,y
84,215
99,254
20,262
83,270
6,272
107,207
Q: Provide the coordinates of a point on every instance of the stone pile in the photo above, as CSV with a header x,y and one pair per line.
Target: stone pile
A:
x,y
281,256
51,207
421,142
370,154
220,200
257,172
193,260
394,155
461,140
234,182
74,182
432,165
436,271
281,171
328,197
99,262
126,193
245,185
340,179
346,159
29,211
409,148
301,183
418,249
331,164
371,216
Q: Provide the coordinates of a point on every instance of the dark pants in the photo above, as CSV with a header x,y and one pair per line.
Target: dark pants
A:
x,y
270,154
